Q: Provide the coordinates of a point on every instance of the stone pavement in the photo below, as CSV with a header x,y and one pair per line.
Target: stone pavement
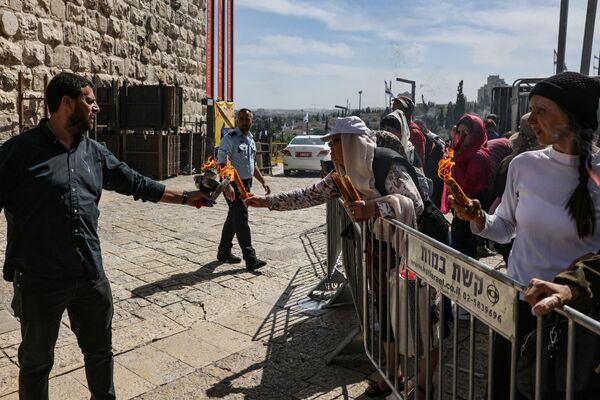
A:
x,y
189,327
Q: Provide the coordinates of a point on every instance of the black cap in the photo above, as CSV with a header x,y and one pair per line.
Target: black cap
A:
x,y
576,93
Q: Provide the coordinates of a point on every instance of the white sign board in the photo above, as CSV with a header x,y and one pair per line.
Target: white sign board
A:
x,y
487,298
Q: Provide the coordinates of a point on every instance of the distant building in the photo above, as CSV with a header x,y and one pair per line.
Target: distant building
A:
x,y
484,94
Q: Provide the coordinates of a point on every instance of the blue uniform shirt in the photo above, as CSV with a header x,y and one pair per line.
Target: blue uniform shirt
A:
x,y
241,150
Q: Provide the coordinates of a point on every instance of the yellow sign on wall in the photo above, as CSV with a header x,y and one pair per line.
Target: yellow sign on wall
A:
x,y
224,119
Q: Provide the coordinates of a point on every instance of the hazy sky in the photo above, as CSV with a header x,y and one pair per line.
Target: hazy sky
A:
x,y
317,53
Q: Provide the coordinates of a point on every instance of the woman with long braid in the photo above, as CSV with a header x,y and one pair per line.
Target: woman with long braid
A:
x,y
550,205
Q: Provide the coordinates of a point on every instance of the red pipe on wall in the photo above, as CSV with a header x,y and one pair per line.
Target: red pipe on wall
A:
x,y
229,50
210,25
221,49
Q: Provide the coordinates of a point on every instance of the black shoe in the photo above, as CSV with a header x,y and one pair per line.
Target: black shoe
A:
x,y
484,251
255,264
229,259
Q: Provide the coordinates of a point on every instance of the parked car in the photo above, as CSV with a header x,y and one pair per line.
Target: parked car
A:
x,y
305,153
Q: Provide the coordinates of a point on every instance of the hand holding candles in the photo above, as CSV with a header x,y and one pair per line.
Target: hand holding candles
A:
x,y
469,209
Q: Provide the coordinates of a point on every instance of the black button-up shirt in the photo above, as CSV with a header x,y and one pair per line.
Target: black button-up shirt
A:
x,y
50,198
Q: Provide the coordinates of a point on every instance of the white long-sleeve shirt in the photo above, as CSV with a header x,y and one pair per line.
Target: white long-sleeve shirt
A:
x,y
532,211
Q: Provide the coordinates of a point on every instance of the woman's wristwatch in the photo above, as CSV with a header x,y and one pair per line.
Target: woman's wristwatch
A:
x,y
184,197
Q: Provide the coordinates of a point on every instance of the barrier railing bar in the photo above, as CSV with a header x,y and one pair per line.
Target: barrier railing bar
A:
x,y
371,303
471,355
538,359
407,316
570,359
455,350
388,325
380,295
397,319
428,344
416,335
491,337
581,319
514,354
441,352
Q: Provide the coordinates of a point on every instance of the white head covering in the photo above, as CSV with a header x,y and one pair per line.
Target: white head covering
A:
x,y
348,126
358,147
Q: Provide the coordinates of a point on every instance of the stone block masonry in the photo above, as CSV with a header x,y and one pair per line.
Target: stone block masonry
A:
x,y
138,41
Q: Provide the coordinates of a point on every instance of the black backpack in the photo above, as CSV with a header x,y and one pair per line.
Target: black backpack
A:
x,y
431,222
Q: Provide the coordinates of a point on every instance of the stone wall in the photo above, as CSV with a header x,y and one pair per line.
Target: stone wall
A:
x,y
140,41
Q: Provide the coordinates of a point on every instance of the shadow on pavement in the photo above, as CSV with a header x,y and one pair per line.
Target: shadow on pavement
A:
x,y
177,281
296,342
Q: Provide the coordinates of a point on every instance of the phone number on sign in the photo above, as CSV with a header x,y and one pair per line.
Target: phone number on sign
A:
x,y
482,307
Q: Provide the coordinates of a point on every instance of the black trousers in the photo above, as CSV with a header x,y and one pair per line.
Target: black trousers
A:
x,y
501,350
463,239
40,304
236,224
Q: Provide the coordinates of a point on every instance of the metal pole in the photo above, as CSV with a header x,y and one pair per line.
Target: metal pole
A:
x,y
413,85
588,37
359,100
562,36
191,154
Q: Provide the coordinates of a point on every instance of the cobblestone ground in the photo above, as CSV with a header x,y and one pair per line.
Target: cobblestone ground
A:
x,y
189,327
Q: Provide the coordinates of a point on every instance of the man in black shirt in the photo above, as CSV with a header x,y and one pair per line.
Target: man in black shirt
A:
x,y
51,179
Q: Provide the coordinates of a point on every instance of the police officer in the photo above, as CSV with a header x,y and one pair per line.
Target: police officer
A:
x,y
239,146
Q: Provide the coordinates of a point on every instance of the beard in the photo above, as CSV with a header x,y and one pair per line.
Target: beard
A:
x,y
79,121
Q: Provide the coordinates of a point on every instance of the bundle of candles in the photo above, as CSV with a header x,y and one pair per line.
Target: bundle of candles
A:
x,y
210,170
346,188
445,172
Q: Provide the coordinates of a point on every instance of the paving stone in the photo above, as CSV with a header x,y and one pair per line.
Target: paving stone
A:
x,y
10,339
67,387
190,349
144,332
127,384
221,337
241,322
8,323
9,379
154,365
192,386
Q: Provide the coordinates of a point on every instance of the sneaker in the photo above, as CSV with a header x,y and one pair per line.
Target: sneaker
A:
x,y
255,264
229,259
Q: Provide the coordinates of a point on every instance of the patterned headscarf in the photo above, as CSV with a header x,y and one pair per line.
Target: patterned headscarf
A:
x,y
398,118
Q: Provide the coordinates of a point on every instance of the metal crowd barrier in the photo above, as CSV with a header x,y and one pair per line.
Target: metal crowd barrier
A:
x,y
403,272
332,290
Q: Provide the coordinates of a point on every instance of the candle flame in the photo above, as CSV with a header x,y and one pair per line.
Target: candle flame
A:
x,y
445,165
227,171
209,164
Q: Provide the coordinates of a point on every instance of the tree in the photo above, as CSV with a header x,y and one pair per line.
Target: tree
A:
x,y
441,119
461,101
450,120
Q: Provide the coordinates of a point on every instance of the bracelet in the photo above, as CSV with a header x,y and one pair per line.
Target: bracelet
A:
x,y
184,197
